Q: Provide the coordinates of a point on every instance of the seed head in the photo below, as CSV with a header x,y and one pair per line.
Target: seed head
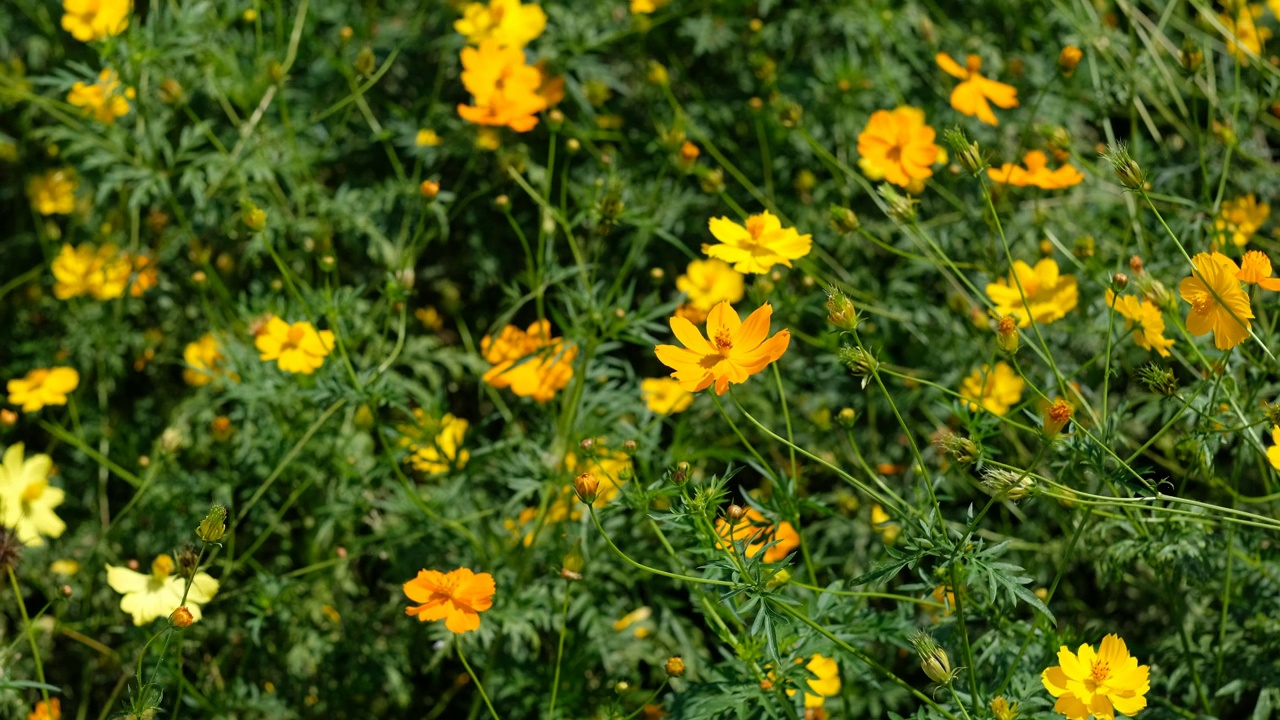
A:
x,y
1007,484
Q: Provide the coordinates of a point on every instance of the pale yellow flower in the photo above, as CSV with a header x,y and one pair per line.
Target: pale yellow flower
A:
x,y
26,498
147,597
665,396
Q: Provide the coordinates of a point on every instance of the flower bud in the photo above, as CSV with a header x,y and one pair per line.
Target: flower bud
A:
x,y
933,659
586,486
846,417
1057,417
1135,264
221,428
346,33
429,189
658,73
1006,484
1003,709
681,475
629,447
65,591
254,217
1068,59
181,618
1119,280
1162,381
967,153
675,666
365,62
843,220
960,448
1190,57
188,561
214,525
780,578
1127,170
860,362
735,512
572,564
8,418
901,207
840,310
1007,337
171,92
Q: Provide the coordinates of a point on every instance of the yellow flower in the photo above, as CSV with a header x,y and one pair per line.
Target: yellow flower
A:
x,y
95,19
882,523
737,350
506,22
204,361
147,597
1243,34
442,451
756,531
426,138
1003,709
995,390
54,192
897,146
1218,303
637,616
1255,269
646,7
1049,295
530,362
710,282
825,682
758,246
104,100
1273,452
297,347
1036,173
102,272
504,88
1239,218
665,396
971,96
1100,684
64,566
1146,320
26,498
43,387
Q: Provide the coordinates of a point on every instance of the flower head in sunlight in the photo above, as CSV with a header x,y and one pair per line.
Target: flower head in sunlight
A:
x,y
435,444
27,499
1049,295
505,22
103,273
646,7
158,594
737,349
1003,709
530,362
755,531
1244,35
457,597
1239,218
1036,173
664,396
95,19
426,138
1218,303
897,146
104,100
204,360
975,94
505,91
824,683
1146,320
51,710
296,348
1273,452
1255,269
994,389
1100,683
54,192
884,526
710,282
757,245
41,387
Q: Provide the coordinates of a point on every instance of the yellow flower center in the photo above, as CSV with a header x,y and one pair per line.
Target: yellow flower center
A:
x,y
755,226
973,64
33,491
162,567
295,336
724,341
1100,671
37,378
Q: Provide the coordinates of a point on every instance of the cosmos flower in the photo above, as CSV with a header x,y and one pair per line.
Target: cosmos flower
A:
x,y
457,597
505,91
994,390
104,100
1036,173
26,498
757,246
755,530
43,386
529,362
1100,683
1146,320
158,594
505,22
897,146
296,348
737,349
1049,294
707,283
95,19
1218,303
973,95
664,396
435,445
54,192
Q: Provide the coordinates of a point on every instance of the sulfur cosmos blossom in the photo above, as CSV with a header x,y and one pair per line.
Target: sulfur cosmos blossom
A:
x,y
1255,269
975,95
737,349
158,594
994,389
103,273
1218,303
664,396
1049,294
505,91
204,361
756,531
27,500
825,682
104,100
897,146
529,362
297,347
1100,684
646,7
1273,452
54,192
884,526
1036,173
52,710
41,387
757,245
95,19
1244,35
457,597
506,22
1146,320
707,283
1239,218
435,444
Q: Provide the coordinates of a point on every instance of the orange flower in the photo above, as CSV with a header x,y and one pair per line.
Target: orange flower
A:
x,y
457,597
506,90
51,710
1218,303
1036,173
1255,269
897,146
756,531
971,96
531,363
737,350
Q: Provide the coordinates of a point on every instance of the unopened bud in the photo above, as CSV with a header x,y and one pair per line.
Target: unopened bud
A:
x,y
502,201
840,311
1119,280
1190,57
933,659
188,561
171,92
860,362
735,512
780,578
1162,381
586,486
365,61
8,418
1127,170
429,189
65,591
901,207
675,666
254,217
1007,484
1135,264
1068,59
846,417
214,525
1057,417
967,153
843,220
181,618
681,475
960,448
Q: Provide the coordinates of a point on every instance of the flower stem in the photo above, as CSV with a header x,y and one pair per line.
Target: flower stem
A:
x,y
457,643
646,568
564,625
26,630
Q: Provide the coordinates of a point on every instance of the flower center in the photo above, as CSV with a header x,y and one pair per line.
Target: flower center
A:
x,y
755,226
895,154
724,341
1202,303
37,377
33,491
162,567
1100,671
294,339
973,64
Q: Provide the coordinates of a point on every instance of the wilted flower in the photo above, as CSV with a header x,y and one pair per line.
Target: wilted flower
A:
x,y
1003,709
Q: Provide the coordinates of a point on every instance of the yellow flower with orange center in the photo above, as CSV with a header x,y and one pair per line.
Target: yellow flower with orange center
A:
x,y
1036,173
296,348
755,531
736,349
709,282
1100,684
530,362
758,245
897,146
54,192
204,361
1239,218
95,19
104,100
457,597
973,96
505,91
994,389
1218,303
506,22
1049,295
103,272
43,387
1146,320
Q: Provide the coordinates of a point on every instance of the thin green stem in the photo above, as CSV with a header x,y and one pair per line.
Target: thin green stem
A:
x,y
26,630
646,568
457,644
564,625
